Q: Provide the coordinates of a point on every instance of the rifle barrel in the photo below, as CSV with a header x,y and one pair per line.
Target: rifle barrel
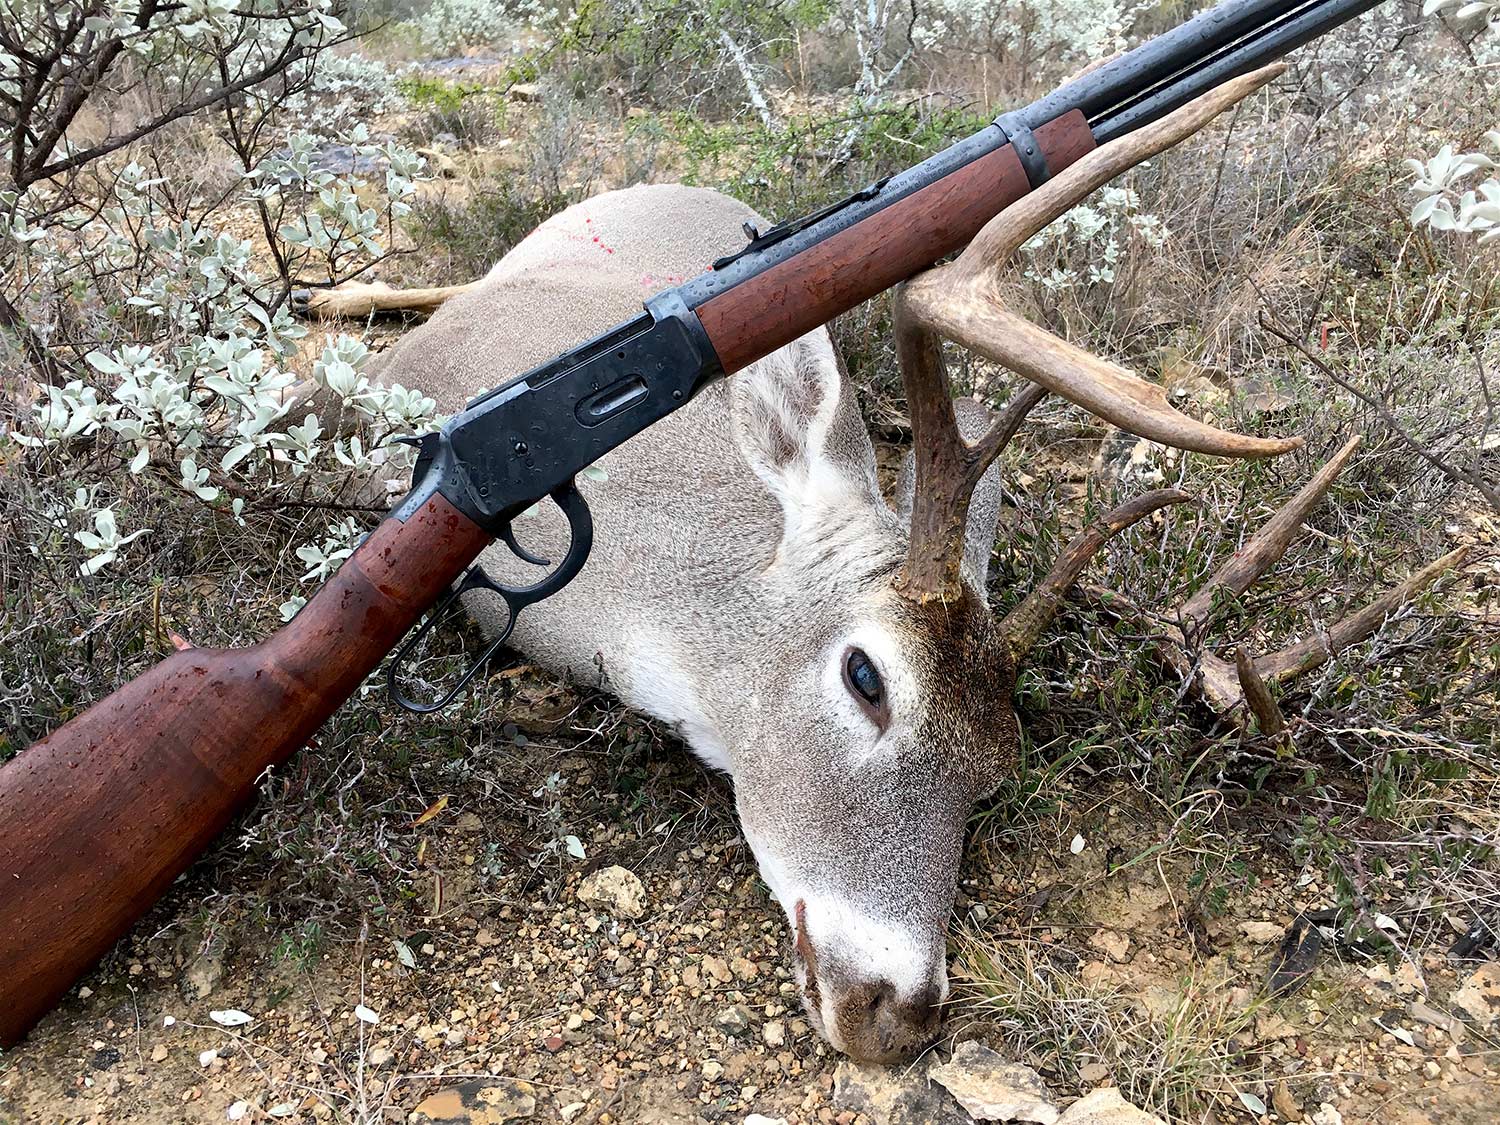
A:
x,y
1267,43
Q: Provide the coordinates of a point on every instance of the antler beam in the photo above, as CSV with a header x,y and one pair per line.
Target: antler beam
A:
x,y
962,302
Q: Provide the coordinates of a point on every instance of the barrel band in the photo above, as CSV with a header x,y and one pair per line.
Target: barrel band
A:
x,y
1026,147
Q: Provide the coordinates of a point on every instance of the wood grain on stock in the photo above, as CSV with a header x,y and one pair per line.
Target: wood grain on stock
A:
x,y
98,818
746,322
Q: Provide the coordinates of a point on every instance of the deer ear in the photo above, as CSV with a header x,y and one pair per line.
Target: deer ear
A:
x,y
797,422
974,420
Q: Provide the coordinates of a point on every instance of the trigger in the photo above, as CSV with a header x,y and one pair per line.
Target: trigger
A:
x,y
508,537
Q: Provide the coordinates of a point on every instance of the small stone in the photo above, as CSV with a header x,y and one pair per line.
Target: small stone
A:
x,y
734,1020
203,976
1327,1115
1432,1069
85,992
762,1119
553,1043
483,1101
744,968
159,1053
1106,1107
712,1070
774,1033
718,968
991,1089
379,1056
1093,1073
615,890
1262,933
1113,944
525,92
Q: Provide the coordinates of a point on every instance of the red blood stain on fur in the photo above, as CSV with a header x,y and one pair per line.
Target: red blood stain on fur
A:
x,y
594,237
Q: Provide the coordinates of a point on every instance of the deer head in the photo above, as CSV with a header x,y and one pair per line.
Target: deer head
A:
x,y
904,719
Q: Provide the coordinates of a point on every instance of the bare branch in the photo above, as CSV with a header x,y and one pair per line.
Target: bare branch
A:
x,y
1452,472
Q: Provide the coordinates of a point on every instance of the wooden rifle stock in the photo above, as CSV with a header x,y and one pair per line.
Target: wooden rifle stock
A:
x,y
99,817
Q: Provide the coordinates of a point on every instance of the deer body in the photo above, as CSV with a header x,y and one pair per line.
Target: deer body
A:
x,y
741,547
750,586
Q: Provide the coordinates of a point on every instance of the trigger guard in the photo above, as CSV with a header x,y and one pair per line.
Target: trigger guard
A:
x,y
581,539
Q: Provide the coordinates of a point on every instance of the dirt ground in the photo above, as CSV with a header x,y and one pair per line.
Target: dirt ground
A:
x,y
489,968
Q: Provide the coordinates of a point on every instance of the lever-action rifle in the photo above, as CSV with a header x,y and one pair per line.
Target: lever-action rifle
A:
x,y
98,818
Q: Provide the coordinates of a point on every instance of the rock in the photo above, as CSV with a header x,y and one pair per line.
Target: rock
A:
x,y
1327,1115
443,167
718,968
159,1053
762,1119
379,1056
774,1033
894,1096
744,968
1093,1073
992,1089
1262,933
712,1070
201,977
614,890
734,1020
1425,1013
1106,1107
1479,996
1160,1002
1270,1026
526,92
1111,943
484,1101
1287,1107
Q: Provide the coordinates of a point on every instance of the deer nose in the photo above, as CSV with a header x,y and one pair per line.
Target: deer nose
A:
x,y
875,1023
875,993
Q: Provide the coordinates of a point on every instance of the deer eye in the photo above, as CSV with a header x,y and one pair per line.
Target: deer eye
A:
x,y
863,680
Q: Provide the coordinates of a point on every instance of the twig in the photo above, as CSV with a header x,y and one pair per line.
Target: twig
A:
x,y
1452,472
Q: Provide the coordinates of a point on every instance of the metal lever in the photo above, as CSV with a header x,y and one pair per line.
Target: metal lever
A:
x,y
516,598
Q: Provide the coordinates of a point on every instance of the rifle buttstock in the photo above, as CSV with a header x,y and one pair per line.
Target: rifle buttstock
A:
x,y
99,817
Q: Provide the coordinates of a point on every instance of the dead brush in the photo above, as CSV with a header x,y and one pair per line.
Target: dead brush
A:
x,y
1179,1063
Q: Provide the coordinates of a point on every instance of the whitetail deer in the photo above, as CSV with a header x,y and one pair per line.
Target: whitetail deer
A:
x,y
751,587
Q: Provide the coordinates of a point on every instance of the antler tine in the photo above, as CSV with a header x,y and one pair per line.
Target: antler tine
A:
x,y
1231,687
1320,648
1026,622
1269,544
960,302
947,467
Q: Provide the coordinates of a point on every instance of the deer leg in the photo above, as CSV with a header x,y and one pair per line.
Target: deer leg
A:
x,y
354,300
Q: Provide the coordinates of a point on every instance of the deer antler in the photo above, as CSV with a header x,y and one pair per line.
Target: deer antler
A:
x,y
1229,687
961,302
